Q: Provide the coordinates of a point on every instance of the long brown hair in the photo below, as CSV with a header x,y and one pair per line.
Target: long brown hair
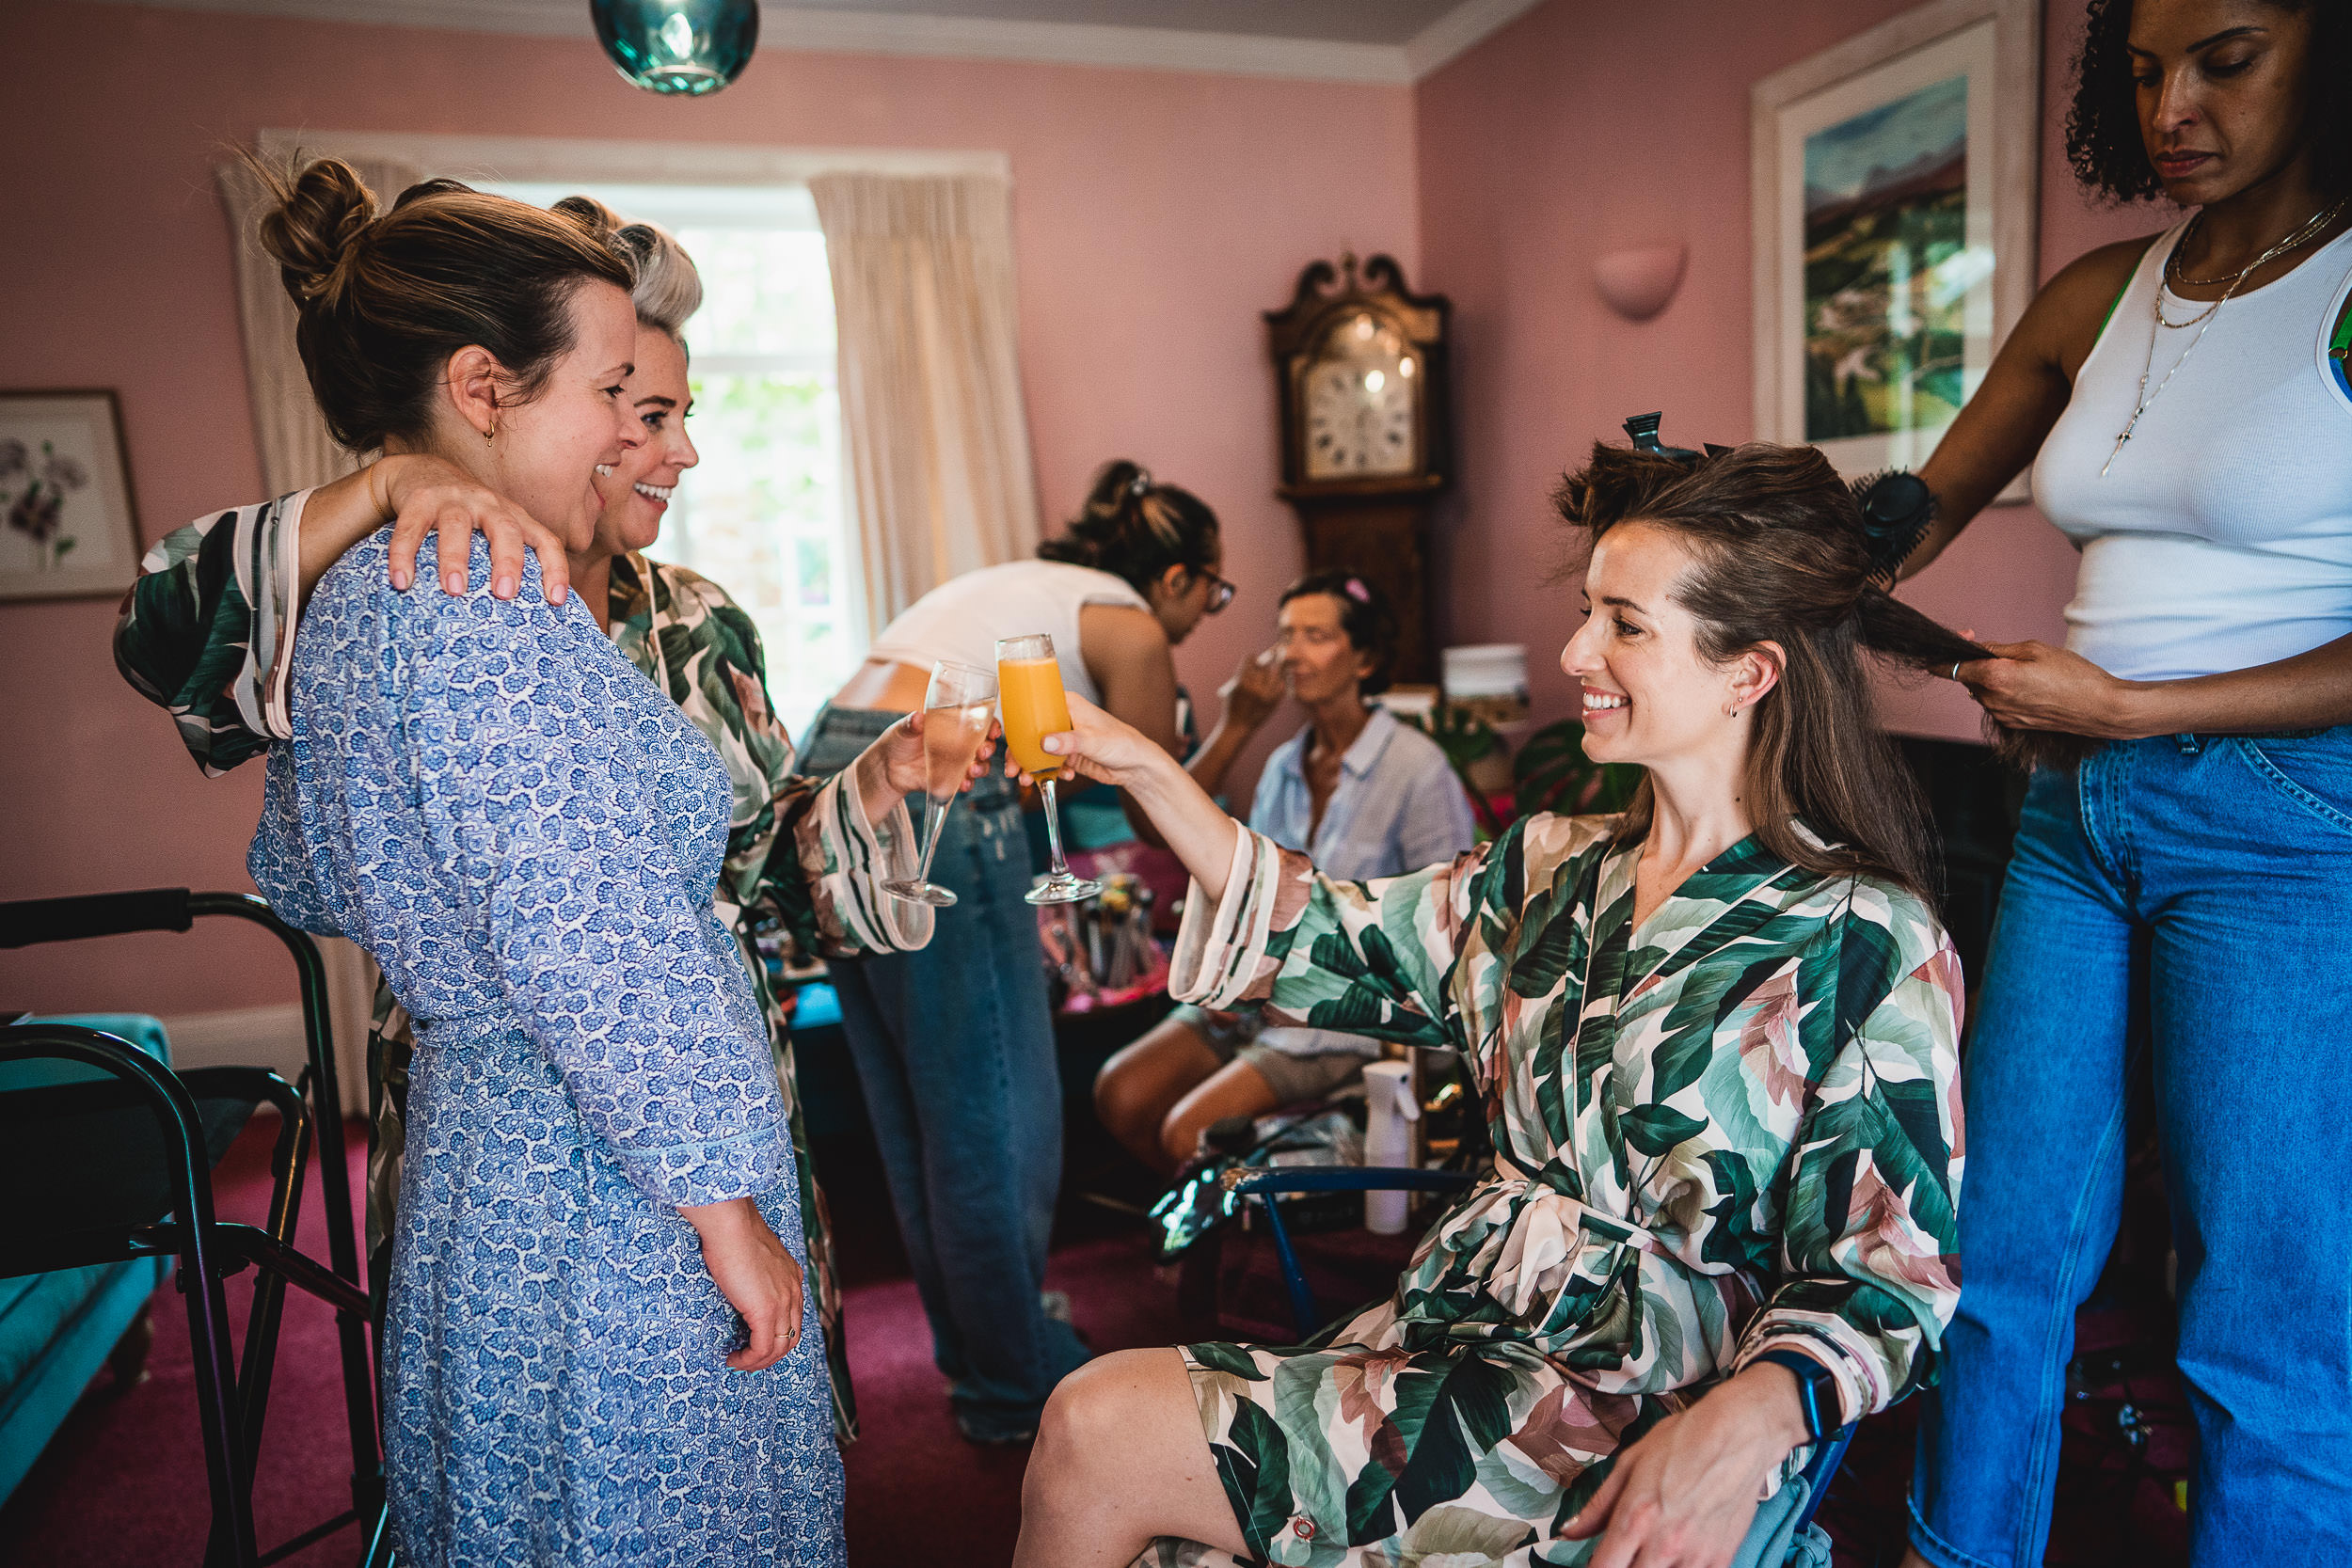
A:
x,y
1778,554
386,298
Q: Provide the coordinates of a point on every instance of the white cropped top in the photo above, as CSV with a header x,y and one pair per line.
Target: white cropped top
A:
x,y
963,618
2220,537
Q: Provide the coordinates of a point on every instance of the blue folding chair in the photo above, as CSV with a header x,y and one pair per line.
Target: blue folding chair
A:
x,y
1267,1183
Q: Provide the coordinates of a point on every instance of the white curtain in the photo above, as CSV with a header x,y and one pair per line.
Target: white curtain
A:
x,y
937,443
296,454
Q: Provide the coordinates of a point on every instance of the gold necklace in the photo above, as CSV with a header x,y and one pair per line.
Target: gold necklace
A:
x,y
2203,320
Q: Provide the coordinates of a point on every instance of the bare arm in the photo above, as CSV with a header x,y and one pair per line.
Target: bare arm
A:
x,y
1249,697
1135,669
1102,748
2001,428
2032,686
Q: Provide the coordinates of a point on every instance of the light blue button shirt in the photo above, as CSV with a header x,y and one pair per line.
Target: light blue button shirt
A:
x,y
1398,807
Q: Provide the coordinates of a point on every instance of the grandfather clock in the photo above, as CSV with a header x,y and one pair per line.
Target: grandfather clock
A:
x,y
1360,377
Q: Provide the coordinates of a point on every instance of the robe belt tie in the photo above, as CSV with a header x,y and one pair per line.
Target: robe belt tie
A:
x,y
1530,1255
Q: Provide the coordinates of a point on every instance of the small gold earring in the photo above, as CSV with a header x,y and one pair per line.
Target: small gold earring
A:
x,y
491,433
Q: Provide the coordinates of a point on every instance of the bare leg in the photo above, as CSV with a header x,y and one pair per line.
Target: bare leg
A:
x,y
1236,1090
1119,1459
1138,1086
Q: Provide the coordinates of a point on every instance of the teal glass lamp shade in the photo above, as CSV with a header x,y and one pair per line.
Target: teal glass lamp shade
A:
x,y
687,46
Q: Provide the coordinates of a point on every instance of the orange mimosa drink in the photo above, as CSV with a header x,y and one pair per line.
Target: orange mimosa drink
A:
x,y
1035,708
1028,684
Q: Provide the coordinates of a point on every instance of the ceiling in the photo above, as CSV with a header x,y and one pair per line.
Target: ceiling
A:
x,y
1355,41
1394,22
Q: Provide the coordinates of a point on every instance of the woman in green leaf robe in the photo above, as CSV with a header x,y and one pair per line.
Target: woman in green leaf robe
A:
x,y
208,633
1717,1041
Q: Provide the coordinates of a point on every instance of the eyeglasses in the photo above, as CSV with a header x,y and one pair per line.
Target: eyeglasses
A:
x,y
1221,592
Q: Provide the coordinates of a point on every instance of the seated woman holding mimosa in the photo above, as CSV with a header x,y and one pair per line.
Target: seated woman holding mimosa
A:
x,y
1717,1038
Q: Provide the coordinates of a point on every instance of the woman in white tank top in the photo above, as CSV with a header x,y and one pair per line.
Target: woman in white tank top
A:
x,y
2180,901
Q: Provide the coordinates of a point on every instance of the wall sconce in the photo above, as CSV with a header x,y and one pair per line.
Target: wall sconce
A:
x,y
677,46
1638,283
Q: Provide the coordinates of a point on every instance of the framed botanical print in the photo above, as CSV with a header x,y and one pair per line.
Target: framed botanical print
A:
x,y
68,528
1896,182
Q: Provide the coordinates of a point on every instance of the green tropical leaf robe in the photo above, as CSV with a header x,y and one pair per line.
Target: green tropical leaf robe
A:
x,y
1734,1126
208,632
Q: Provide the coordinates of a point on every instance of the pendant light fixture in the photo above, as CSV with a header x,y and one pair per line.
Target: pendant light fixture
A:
x,y
682,46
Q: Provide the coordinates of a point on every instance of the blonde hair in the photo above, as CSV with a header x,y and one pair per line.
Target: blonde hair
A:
x,y
669,288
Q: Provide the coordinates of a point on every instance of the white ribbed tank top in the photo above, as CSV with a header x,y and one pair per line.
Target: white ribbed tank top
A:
x,y
2222,537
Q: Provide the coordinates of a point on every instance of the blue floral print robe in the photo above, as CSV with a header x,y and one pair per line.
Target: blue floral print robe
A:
x,y
208,634
526,836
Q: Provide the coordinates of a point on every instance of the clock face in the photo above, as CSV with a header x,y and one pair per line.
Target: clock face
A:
x,y
1358,396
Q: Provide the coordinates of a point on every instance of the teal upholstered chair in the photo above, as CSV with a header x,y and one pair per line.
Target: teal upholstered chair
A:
x,y
57,1329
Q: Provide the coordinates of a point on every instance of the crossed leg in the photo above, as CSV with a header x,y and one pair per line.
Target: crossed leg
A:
x,y
1121,1459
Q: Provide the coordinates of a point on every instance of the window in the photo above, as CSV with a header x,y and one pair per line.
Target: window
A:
x,y
764,515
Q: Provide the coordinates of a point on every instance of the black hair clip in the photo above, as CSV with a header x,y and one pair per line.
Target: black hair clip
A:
x,y
1644,429
1897,508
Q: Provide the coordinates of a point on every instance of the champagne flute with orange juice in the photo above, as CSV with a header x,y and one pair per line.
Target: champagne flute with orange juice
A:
x,y
1028,678
958,708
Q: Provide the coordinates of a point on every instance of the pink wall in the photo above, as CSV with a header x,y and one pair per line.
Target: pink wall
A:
x,y
1155,215
1586,127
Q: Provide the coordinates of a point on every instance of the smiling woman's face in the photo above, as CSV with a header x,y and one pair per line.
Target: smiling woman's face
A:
x,y
2223,88
1648,695
635,492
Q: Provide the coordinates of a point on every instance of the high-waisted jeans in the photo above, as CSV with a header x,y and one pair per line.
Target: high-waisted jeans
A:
x,y
2183,903
954,1048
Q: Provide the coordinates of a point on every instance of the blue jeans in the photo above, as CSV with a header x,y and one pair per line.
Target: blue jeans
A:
x,y
954,1047
2185,903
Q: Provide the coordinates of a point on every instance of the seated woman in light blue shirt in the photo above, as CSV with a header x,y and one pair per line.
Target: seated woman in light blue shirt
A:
x,y
1364,794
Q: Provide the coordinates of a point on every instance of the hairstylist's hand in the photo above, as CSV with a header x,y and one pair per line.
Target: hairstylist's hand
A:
x,y
1099,747
755,1274
1254,692
1684,1494
422,494
2032,686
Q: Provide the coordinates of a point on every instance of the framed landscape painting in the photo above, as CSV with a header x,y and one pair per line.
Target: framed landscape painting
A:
x,y
67,524
1895,182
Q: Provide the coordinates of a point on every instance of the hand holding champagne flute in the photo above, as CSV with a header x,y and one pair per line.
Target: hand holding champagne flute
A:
x,y
959,708
1096,746
1035,708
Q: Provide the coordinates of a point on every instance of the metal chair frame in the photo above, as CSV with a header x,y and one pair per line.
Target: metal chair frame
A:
x,y
209,1250
1267,1183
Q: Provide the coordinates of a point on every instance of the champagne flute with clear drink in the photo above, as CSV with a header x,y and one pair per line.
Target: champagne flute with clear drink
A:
x,y
958,708
1035,708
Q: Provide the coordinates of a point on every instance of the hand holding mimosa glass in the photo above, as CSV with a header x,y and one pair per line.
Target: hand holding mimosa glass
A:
x,y
959,709
1035,706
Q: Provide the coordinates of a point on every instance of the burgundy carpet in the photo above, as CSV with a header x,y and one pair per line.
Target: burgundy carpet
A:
x,y
123,1481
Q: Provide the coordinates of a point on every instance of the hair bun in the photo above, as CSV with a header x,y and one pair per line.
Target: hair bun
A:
x,y
1116,487
316,226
